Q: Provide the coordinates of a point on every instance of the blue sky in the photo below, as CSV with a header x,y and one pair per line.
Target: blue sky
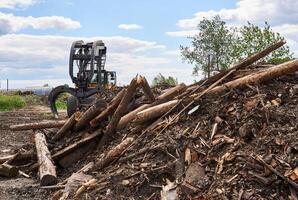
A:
x,y
142,36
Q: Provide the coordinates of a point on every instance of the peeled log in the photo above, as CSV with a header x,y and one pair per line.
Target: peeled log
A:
x,y
147,90
270,73
38,125
121,109
129,117
170,94
155,111
114,153
69,124
90,114
7,170
47,170
109,110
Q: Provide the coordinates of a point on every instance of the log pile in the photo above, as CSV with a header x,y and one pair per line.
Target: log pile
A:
x,y
232,136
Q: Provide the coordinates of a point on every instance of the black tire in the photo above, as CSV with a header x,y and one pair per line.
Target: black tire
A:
x,y
72,105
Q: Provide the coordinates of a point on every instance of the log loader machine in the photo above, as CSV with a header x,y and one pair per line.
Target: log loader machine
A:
x,y
86,70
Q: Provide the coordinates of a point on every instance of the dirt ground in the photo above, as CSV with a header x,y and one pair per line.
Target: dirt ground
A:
x,y
11,141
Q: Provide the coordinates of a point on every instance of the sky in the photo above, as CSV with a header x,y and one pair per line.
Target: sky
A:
x,y
142,36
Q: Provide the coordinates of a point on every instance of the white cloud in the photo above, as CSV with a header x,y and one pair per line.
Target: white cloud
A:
x,y
130,26
10,23
256,11
13,4
187,33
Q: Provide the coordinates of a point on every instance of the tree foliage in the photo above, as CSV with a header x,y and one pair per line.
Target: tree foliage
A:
x,y
217,46
252,39
162,80
214,40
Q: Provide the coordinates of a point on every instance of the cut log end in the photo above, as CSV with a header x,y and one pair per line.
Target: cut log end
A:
x,y
48,179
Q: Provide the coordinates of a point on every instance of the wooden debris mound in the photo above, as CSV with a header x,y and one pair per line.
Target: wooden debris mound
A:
x,y
232,136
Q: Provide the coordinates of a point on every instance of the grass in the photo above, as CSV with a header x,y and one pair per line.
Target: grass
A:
x,y
11,102
61,101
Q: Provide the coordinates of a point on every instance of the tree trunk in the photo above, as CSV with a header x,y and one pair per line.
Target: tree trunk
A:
x,y
109,110
270,73
47,170
114,153
90,114
147,90
7,170
112,126
155,111
69,124
38,125
129,117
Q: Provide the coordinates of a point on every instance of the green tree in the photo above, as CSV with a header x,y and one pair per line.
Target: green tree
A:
x,y
252,39
211,47
162,80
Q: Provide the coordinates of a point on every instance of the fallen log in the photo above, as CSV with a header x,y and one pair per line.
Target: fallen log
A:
x,y
47,170
8,171
112,126
170,94
146,89
60,154
129,117
154,112
38,125
246,62
109,110
113,154
270,73
90,114
69,124
19,157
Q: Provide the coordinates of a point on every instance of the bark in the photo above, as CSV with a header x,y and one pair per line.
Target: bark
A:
x,y
67,150
155,111
47,170
38,125
246,62
146,89
126,119
90,114
69,124
270,73
112,126
170,94
109,110
114,153
9,171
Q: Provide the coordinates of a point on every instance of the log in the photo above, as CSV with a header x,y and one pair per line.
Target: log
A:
x,y
121,109
154,112
129,117
253,79
113,154
246,62
47,170
109,110
19,157
38,125
69,124
7,170
65,151
146,89
170,94
90,114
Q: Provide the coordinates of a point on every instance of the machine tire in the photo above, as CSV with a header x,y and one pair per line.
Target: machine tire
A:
x,y
72,105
